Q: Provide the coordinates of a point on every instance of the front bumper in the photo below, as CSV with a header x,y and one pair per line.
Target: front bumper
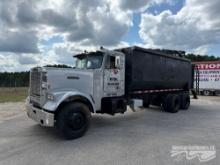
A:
x,y
40,116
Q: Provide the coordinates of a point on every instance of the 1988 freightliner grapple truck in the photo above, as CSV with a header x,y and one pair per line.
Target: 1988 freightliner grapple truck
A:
x,y
107,82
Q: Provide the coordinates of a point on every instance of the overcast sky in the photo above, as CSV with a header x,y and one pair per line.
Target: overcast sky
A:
x,y
39,32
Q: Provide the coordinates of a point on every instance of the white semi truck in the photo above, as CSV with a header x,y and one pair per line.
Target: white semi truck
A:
x,y
209,77
106,82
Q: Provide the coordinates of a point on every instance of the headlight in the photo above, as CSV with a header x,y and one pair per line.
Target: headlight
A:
x,y
50,97
44,85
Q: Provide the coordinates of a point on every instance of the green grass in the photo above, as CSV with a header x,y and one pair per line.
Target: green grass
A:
x,y
13,94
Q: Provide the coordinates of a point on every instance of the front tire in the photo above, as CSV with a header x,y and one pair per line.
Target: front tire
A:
x,y
73,120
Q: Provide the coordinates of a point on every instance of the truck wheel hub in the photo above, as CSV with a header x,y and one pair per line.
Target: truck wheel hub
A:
x,y
76,121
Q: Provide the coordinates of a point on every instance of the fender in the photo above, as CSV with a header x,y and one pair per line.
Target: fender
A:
x,y
60,97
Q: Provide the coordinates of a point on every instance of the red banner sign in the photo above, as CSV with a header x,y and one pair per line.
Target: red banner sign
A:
x,y
208,65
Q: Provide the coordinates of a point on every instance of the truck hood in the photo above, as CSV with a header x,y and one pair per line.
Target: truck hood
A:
x,y
67,79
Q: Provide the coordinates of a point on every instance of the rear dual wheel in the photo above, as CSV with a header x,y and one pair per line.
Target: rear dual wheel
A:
x,y
185,101
171,103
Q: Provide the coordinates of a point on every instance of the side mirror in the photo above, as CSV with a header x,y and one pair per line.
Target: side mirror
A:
x,y
117,62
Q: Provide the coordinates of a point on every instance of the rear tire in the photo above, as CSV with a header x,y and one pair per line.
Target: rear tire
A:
x,y
171,103
185,102
73,120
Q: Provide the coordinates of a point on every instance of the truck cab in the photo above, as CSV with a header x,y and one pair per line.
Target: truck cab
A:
x,y
66,97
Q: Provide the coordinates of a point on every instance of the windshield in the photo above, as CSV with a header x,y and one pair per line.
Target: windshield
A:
x,y
89,61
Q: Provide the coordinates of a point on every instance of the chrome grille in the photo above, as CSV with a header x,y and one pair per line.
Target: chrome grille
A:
x,y
35,81
35,85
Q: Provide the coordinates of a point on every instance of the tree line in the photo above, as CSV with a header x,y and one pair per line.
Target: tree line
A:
x,y
14,79
198,58
21,79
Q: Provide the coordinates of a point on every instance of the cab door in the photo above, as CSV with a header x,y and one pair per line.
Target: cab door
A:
x,y
114,74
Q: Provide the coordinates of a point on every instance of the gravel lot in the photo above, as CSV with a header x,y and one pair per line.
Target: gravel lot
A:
x,y
143,137
11,110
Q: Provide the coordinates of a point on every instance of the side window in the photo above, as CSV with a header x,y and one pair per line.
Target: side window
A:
x,y
110,63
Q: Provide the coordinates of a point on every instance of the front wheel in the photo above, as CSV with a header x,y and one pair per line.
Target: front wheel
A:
x,y
73,120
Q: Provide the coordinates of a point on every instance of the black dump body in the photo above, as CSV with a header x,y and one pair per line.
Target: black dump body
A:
x,y
148,69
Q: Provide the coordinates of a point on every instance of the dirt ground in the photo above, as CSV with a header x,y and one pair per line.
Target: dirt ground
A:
x,y
10,110
212,98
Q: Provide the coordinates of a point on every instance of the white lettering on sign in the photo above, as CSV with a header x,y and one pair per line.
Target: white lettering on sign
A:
x,y
208,66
